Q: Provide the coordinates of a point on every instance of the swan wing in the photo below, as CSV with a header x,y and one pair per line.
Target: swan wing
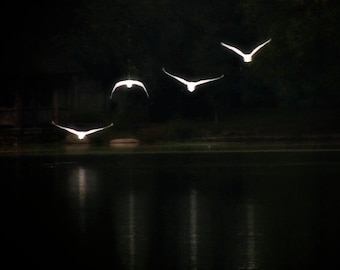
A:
x,y
118,84
66,128
260,46
97,129
209,80
141,85
239,52
175,77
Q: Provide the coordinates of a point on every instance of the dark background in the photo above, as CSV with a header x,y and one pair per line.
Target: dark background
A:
x,y
110,40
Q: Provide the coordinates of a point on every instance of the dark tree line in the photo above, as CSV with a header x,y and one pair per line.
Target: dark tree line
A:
x,y
301,67
111,40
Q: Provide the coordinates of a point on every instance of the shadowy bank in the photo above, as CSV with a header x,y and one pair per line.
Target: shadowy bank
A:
x,y
261,125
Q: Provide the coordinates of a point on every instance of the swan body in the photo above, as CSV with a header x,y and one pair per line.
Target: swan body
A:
x,y
247,57
191,85
129,84
81,134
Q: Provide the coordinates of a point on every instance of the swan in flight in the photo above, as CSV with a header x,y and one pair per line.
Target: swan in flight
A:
x,y
129,84
81,134
247,57
191,86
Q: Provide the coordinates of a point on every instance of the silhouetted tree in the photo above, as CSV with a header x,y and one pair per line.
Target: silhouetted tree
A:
x,y
300,63
111,40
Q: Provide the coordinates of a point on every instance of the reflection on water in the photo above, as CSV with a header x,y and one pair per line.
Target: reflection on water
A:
x,y
130,229
193,228
189,230
259,210
126,229
132,232
250,238
82,184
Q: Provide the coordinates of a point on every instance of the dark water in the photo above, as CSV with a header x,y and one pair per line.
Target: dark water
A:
x,y
171,210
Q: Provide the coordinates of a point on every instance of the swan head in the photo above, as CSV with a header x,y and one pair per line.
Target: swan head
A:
x,y
129,83
81,136
247,58
191,87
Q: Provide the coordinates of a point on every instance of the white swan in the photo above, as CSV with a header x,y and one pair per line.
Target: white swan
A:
x,y
191,86
247,57
129,84
81,134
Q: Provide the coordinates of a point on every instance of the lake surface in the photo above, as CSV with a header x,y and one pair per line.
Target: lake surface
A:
x,y
197,207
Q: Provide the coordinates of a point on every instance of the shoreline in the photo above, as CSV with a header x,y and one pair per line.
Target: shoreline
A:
x,y
234,144
275,125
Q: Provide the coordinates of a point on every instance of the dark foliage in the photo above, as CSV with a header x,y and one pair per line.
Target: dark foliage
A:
x,y
111,40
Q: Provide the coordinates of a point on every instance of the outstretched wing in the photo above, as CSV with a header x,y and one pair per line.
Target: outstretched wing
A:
x,y
66,128
118,84
259,47
209,80
239,52
141,85
175,77
97,129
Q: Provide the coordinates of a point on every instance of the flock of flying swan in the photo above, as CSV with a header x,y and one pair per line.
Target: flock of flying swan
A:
x,y
190,86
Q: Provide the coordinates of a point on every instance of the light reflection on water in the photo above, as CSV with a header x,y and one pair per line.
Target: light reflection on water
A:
x,y
82,184
258,210
193,228
250,238
130,228
126,229
132,232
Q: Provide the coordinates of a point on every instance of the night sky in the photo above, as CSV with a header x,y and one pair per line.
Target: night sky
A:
x,y
29,29
110,40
